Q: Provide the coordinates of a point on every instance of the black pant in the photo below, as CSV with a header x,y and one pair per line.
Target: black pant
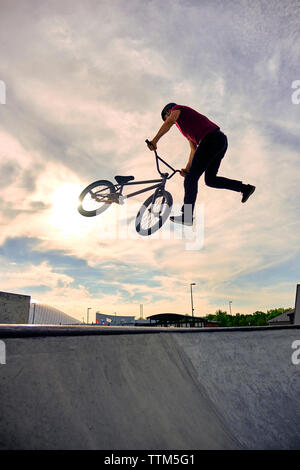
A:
x,y
207,158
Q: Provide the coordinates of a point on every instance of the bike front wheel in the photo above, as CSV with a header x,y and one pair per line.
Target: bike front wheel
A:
x,y
153,213
96,198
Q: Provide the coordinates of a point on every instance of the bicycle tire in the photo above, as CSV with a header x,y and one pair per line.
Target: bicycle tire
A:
x,y
160,219
93,212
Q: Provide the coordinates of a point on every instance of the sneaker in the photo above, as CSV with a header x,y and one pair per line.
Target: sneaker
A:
x,y
180,219
249,189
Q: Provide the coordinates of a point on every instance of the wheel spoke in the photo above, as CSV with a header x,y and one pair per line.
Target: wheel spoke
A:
x,y
152,216
96,198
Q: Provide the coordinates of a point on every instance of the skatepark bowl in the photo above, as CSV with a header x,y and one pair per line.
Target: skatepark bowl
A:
x,y
91,387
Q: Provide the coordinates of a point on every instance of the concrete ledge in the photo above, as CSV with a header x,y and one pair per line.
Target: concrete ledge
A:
x,y
21,331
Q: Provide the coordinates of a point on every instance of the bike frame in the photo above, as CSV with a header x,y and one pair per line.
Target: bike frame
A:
x,y
159,183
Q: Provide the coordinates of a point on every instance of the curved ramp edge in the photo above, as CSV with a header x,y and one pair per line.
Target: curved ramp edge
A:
x,y
106,392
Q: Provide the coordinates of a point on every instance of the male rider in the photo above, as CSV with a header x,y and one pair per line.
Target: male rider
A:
x,y
208,146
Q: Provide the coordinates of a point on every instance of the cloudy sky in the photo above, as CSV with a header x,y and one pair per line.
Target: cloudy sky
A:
x,y
85,84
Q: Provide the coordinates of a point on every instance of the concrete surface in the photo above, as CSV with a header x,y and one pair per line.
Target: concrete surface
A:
x,y
250,378
155,388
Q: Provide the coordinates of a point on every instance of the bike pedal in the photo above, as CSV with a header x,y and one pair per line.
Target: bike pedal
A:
x,y
121,200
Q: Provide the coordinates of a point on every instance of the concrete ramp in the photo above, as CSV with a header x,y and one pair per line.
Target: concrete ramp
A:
x,y
122,388
251,379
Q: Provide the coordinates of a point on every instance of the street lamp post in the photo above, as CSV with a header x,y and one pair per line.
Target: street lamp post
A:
x,y
192,284
230,302
88,314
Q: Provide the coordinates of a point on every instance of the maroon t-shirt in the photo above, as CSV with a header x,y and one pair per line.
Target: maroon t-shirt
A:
x,y
193,125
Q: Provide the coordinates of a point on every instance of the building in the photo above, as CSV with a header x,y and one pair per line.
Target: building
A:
x,y
142,322
14,308
286,318
292,317
19,309
42,314
296,319
114,320
180,321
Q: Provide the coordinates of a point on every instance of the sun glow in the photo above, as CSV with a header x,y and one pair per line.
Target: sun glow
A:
x,y
64,215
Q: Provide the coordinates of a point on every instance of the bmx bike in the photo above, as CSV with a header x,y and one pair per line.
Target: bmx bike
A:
x,y
98,196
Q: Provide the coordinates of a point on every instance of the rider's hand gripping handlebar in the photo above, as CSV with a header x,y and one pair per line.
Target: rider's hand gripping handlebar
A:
x,y
157,163
150,143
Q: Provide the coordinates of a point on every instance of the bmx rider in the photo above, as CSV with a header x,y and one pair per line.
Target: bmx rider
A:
x,y
208,146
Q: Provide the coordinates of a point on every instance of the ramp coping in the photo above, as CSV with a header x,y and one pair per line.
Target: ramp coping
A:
x,y
21,331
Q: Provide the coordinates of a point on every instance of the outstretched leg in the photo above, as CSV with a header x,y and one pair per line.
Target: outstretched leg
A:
x,y
207,159
214,181
211,179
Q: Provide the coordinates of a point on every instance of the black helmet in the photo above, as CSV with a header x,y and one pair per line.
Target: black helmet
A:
x,y
166,109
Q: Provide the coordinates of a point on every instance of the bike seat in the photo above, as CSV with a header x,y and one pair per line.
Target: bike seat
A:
x,y
123,179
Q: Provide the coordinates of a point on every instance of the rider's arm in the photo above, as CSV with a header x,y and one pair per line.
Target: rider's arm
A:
x,y
184,171
192,153
166,125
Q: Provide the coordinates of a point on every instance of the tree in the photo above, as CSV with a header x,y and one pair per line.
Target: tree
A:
x,y
257,318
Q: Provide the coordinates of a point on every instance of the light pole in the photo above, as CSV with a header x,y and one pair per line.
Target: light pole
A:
x,y
88,314
192,284
230,302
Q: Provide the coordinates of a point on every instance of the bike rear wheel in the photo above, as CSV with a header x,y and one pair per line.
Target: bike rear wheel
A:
x,y
96,198
153,213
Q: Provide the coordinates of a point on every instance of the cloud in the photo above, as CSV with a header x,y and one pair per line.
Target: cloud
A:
x,y
81,99
41,275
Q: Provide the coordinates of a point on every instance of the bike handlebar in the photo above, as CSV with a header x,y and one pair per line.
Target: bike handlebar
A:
x,y
157,157
148,142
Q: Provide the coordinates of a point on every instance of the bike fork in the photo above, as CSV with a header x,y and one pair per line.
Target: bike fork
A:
x,y
155,195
